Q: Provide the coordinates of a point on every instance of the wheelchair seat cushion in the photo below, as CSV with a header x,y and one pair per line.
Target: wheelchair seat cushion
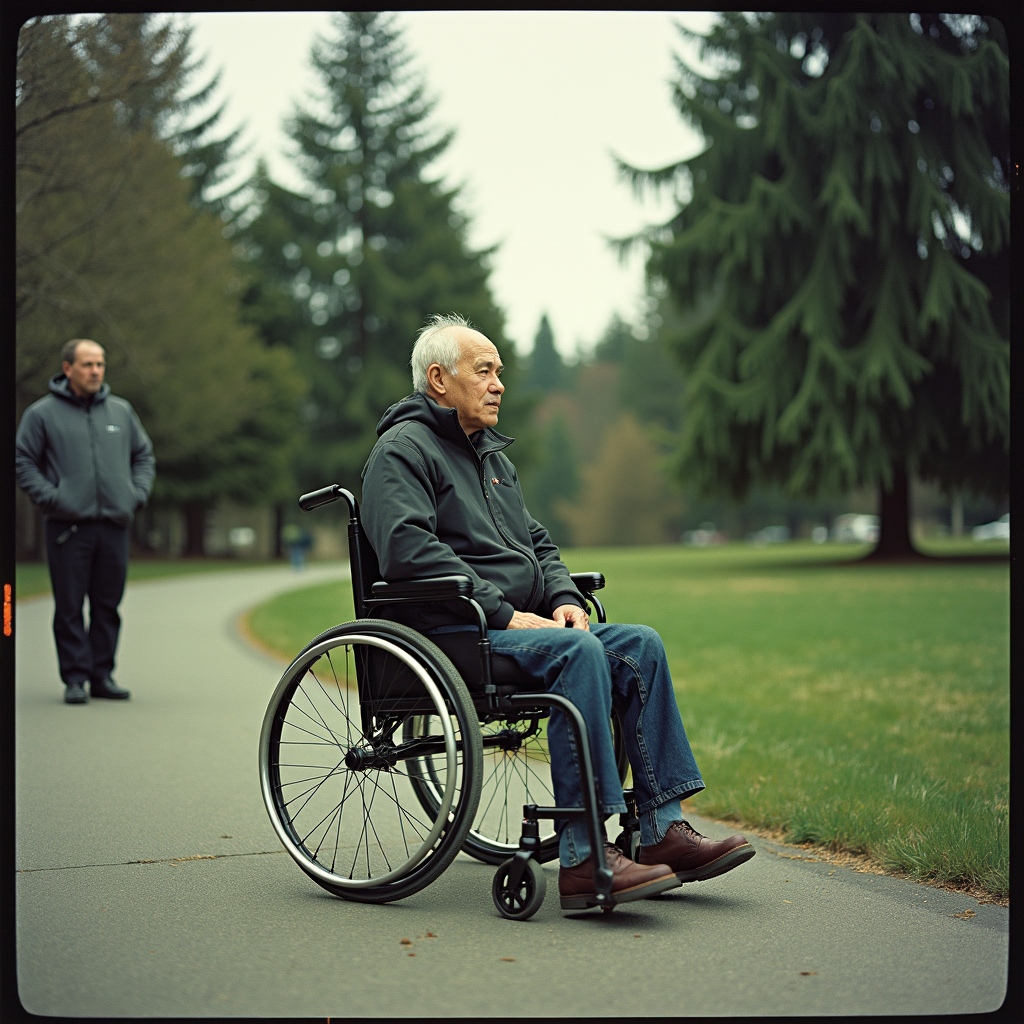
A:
x,y
464,654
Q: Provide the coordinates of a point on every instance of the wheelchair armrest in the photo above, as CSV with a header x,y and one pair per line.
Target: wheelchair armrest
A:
x,y
433,588
587,582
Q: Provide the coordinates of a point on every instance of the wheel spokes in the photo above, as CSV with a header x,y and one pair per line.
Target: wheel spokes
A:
x,y
332,807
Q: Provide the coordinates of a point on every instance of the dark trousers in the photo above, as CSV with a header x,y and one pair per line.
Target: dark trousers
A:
x,y
86,558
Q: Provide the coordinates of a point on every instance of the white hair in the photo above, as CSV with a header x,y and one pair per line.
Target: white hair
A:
x,y
436,343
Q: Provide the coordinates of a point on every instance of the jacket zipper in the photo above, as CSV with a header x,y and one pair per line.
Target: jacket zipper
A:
x,y
95,466
501,533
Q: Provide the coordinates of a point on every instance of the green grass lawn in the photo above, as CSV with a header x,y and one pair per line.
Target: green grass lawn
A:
x,y
862,707
33,578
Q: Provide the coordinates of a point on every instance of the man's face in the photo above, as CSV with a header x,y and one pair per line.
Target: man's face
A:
x,y
85,374
475,391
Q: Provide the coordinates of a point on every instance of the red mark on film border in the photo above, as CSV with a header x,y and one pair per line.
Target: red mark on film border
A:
x,y
7,609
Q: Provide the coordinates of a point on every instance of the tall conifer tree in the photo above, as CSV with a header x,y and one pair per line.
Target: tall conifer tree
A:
x,y
842,249
348,271
546,368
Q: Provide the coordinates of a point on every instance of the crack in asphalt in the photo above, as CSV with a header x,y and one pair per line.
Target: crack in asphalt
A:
x,y
156,860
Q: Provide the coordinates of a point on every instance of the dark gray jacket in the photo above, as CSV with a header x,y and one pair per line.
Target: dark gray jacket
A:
x,y
79,460
435,503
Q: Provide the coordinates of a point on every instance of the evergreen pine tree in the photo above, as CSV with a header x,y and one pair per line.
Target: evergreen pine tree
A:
x,y
372,247
842,251
615,341
546,370
145,63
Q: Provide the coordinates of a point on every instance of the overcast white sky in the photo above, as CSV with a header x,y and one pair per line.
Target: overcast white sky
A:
x,y
539,101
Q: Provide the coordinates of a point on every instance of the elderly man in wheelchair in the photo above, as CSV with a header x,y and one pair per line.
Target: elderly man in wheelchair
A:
x,y
483,680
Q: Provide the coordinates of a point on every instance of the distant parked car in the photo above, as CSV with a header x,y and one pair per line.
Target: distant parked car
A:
x,y
999,530
853,528
705,536
769,535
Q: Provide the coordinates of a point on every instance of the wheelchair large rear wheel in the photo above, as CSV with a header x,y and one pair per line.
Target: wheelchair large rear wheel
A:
x,y
516,771
339,765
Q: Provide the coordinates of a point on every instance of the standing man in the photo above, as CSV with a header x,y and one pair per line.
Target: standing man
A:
x,y
83,457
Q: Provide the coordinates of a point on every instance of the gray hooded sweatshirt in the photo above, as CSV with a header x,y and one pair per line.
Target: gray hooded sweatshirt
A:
x,y
79,460
436,504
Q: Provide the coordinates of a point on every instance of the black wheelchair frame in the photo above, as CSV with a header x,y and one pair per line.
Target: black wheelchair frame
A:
x,y
518,888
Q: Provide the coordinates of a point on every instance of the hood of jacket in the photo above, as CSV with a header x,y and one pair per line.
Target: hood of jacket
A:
x,y
60,385
417,408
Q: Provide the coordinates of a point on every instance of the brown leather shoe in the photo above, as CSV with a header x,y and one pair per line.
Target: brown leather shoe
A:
x,y
630,881
694,857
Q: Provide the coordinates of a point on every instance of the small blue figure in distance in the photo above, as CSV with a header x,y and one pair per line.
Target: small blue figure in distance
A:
x,y
298,542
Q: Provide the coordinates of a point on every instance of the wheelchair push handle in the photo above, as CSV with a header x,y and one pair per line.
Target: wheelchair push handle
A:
x,y
325,495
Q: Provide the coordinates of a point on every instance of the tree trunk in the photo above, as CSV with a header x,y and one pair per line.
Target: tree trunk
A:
x,y
278,527
195,529
894,542
956,515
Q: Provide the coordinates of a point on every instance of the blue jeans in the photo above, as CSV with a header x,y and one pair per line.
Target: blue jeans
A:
x,y
613,666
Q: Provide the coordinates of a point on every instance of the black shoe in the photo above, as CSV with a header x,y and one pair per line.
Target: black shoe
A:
x,y
74,693
108,688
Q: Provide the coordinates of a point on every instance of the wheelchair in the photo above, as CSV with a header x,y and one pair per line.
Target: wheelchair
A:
x,y
383,752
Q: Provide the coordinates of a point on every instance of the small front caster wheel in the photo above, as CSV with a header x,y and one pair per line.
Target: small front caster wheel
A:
x,y
523,901
634,846
629,844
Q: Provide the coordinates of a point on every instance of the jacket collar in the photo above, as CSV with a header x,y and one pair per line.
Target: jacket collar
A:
x,y
60,385
445,423
488,441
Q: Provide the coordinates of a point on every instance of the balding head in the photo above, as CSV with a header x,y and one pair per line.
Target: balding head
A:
x,y
85,368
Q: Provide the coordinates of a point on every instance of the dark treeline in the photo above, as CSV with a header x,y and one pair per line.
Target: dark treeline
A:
x,y
829,308
260,333
607,426
117,241
826,317
841,253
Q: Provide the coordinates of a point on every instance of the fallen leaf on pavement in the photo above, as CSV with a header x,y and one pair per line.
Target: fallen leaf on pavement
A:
x,y
965,915
808,973
509,959
406,942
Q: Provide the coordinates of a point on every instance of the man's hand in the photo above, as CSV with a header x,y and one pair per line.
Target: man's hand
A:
x,y
527,620
564,615
571,615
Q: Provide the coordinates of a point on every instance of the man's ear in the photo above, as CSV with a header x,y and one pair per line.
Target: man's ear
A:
x,y
436,379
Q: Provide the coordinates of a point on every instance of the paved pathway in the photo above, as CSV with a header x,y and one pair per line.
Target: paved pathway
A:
x,y
150,882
